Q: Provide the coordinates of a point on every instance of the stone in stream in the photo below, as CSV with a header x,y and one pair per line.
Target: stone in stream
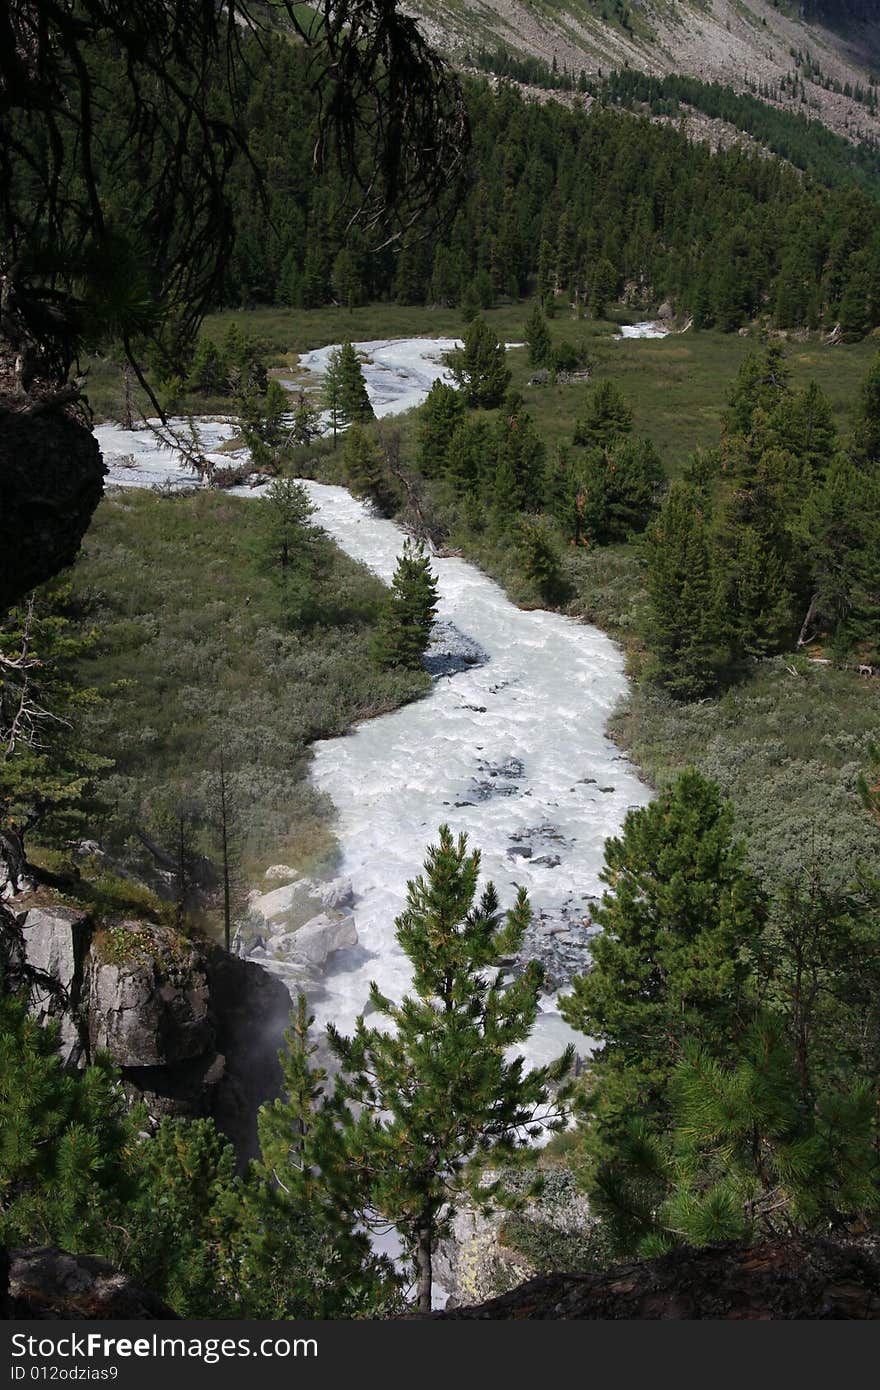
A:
x,y
315,941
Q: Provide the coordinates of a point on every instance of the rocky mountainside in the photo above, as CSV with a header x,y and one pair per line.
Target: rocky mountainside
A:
x,y
751,45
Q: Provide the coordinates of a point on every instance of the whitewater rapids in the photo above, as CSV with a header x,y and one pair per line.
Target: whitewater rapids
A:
x,y
512,751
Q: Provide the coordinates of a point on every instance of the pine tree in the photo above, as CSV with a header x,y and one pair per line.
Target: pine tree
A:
x,y
606,417
404,629
441,413
840,525
306,422
621,487
761,384
540,560
64,1140
46,766
478,367
264,426
603,287
742,1158
755,562
470,303
208,373
362,465
537,336
519,473
682,630
285,534
468,451
669,963
547,277
441,1087
332,393
804,425
866,435
353,397
294,1249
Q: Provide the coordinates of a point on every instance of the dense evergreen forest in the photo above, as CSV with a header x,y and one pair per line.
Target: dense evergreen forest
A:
x,y
805,142
591,205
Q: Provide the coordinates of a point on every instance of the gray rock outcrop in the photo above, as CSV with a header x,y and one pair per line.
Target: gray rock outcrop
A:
x,y
47,1283
193,1031
148,997
54,944
315,941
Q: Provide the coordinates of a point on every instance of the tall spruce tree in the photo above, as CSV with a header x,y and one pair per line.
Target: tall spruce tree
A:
x,y
404,628
682,630
441,413
537,336
430,1100
840,525
353,397
332,393
679,912
362,464
607,416
866,435
46,765
621,487
519,469
479,368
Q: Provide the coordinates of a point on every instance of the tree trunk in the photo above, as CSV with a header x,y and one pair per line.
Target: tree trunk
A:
x,y
424,1275
127,398
224,824
14,874
811,613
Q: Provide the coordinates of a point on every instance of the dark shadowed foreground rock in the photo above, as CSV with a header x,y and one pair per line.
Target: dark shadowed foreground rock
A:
x,y
51,481
48,1283
780,1279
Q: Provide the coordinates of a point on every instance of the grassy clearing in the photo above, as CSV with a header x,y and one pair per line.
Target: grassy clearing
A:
x,y
786,746
201,648
677,385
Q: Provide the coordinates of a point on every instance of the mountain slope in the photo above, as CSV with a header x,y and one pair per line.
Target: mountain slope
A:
x,y
810,57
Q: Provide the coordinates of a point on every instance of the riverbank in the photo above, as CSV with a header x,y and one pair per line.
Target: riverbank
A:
x,y
786,744
201,649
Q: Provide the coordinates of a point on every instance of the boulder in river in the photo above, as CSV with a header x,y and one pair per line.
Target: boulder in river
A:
x,y
315,941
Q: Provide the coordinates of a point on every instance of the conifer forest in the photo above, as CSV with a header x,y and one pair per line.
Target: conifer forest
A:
x,y
439,661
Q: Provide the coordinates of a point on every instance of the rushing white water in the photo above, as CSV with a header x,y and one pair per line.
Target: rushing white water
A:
x,y
643,330
513,752
144,458
399,372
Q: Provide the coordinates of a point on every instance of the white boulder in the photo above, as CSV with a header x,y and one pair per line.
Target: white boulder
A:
x,y
275,904
315,941
282,872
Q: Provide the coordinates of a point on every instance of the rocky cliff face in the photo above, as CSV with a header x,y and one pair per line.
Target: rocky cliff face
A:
x,y
193,1031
